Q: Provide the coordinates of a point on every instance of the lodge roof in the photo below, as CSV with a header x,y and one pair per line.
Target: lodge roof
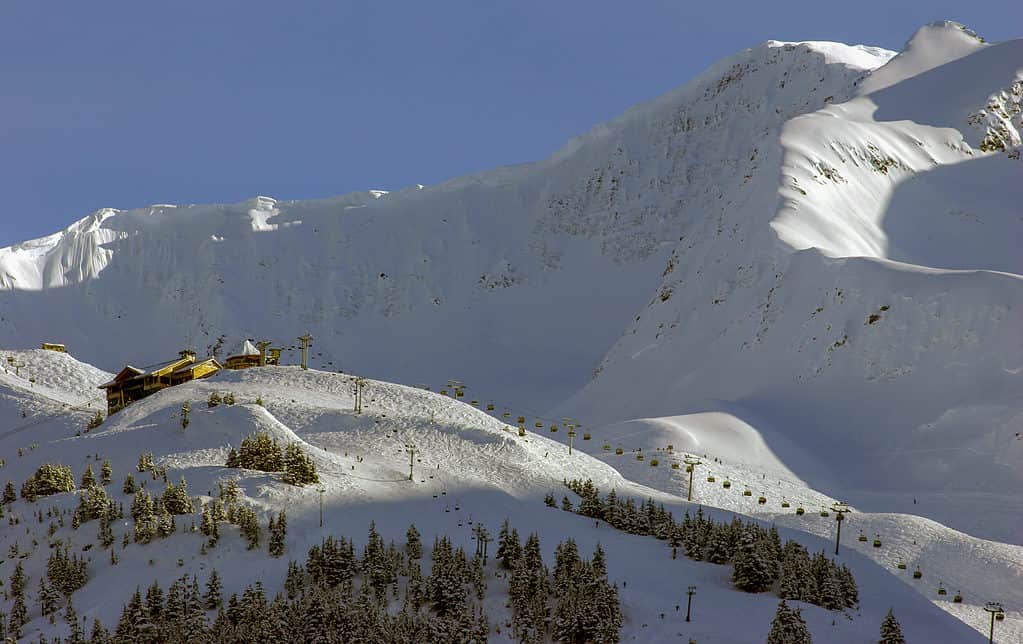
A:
x,y
159,369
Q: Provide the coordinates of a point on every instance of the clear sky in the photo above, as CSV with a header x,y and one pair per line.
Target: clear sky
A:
x,y
127,103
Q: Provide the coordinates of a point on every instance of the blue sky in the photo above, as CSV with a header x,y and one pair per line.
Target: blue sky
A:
x,y
124,104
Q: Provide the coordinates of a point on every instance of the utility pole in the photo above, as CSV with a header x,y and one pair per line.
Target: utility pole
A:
x,y
360,382
305,340
839,509
691,463
994,608
689,605
411,450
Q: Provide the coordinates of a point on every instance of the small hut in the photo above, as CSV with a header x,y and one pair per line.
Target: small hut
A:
x,y
249,357
53,346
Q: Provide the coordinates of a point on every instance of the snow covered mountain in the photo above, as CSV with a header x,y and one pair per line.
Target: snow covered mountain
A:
x,y
819,240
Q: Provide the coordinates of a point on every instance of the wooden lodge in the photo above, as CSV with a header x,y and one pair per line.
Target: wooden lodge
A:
x,y
250,356
132,383
253,355
52,346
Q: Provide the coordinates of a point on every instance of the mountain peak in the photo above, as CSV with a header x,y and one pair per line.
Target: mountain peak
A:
x,y
931,46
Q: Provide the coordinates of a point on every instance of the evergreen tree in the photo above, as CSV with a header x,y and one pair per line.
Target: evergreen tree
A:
x,y
129,484
9,495
165,525
48,479
145,462
213,598
753,569
258,452
891,631
18,617
175,498
278,534
213,400
106,534
788,627
850,593
105,473
99,634
298,467
186,408
88,478
18,580
154,602
49,598
134,625
71,618
829,589
249,524
93,503
413,544
209,526
141,505
717,550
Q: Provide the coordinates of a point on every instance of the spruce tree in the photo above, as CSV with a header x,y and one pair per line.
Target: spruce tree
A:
x,y
18,617
88,478
753,568
298,467
413,543
49,598
129,484
213,598
176,500
105,473
9,495
99,635
891,631
788,627
278,534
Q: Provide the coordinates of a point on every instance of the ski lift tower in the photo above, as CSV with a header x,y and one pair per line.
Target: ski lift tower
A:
x,y
839,509
305,340
995,609
691,463
570,426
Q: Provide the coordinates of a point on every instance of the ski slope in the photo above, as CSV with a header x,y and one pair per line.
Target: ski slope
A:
x,y
472,468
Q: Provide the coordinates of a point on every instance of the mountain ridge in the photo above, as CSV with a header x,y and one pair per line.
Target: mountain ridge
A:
x,y
722,248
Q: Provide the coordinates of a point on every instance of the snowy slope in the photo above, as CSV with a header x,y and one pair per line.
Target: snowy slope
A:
x,y
808,322
487,472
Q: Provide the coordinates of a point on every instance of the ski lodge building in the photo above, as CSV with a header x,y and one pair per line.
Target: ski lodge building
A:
x,y
132,383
